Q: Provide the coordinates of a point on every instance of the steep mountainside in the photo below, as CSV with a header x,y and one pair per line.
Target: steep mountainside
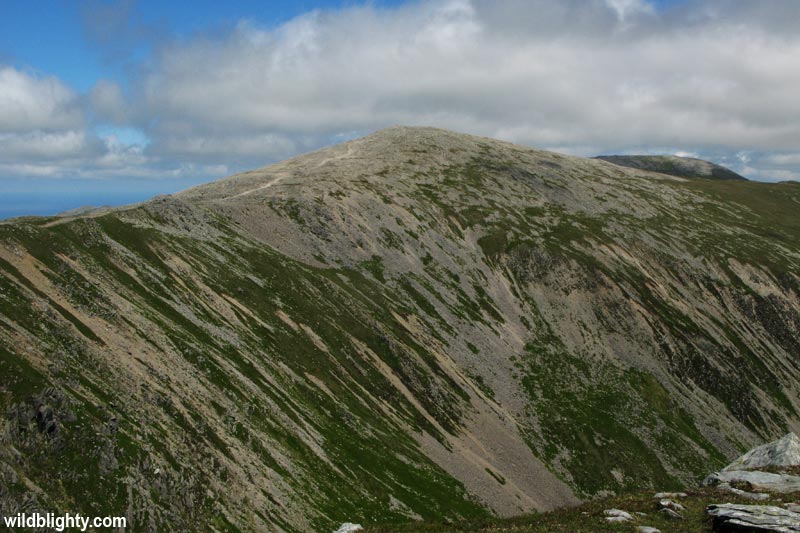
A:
x,y
416,324
684,167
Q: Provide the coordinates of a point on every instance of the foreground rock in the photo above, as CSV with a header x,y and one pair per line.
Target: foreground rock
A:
x,y
671,504
755,480
671,495
745,472
617,515
348,527
733,517
782,453
669,513
743,493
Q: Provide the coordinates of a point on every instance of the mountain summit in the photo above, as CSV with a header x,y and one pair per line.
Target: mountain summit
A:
x,y
415,324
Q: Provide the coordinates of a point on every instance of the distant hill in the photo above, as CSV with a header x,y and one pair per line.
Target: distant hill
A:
x,y
684,167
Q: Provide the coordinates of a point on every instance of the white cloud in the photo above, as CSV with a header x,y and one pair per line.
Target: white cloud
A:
x,y
41,145
624,8
792,159
444,63
29,102
713,78
108,102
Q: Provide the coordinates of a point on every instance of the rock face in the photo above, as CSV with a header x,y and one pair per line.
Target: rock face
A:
x,y
414,324
753,518
782,453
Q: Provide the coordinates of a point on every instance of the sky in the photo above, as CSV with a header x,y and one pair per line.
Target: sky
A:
x,y
111,102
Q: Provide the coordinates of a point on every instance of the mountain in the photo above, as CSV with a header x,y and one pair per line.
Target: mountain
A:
x,y
685,167
415,324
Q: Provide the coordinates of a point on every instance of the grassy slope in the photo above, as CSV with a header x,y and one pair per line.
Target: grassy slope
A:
x,y
356,432
589,517
600,425
753,222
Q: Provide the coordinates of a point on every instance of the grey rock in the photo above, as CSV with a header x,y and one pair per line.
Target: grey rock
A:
x,y
347,527
667,503
783,452
756,480
672,495
617,515
647,529
669,513
733,517
743,493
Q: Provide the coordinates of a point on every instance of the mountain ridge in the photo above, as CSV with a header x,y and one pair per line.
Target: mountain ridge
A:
x,y
417,323
685,167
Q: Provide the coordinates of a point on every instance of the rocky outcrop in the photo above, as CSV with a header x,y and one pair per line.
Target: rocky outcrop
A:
x,y
741,477
349,527
782,453
756,480
617,515
753,518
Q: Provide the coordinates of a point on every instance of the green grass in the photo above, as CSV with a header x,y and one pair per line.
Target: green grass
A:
x,y
589,517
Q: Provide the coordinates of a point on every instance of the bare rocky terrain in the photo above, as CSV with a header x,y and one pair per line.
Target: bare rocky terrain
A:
x,y
685,167
417,324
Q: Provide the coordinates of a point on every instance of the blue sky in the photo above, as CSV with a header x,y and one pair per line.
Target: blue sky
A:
x,y
115,101
52,35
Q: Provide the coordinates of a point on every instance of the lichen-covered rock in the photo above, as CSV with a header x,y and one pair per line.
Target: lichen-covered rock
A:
x,y
753,518
671,495
617,515
743,493
348,527
667,503
669,513
784,452
756,480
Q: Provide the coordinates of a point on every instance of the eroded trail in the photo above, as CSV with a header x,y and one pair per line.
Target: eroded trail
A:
x,y
260,188
348,153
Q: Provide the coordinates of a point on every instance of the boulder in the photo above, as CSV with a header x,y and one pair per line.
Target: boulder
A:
x,y
617,515
784,452
667,503
347,527
669,513
671,495
755,518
